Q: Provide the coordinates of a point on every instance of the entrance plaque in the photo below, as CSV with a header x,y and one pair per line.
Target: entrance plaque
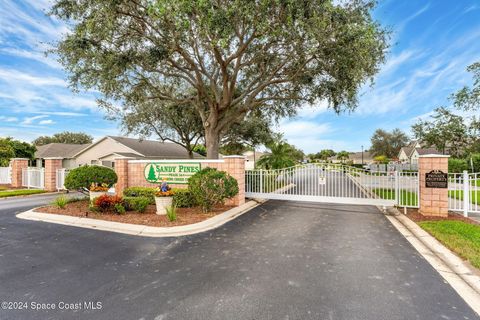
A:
x,y
436,179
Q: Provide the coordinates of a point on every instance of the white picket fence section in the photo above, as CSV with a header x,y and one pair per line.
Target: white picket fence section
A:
x,y
5,175
33,178
61,174
464,192
334,183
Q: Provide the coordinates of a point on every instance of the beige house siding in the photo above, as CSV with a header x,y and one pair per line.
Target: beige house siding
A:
x,y
101,150
403,157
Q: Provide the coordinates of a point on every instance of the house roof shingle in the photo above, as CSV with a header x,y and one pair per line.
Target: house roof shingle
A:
x,y
64,150
155,149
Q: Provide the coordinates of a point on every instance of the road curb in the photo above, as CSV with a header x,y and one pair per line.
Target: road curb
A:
x,y
462,277
141,230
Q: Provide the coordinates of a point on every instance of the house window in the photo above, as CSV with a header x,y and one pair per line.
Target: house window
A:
x,y
107,164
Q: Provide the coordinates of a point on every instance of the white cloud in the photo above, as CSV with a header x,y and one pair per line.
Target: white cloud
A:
x,y
30,120
12,75
45,122
8,119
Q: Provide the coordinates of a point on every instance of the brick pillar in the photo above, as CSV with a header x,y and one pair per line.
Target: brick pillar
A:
x,y
433,201
51,166
121,169
235,166
18,164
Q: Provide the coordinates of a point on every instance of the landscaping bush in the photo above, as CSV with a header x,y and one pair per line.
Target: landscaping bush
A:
x,y
136,203
141,192
83,177
210,187
457,165
183,198
119,208
106,203
60,202
171,213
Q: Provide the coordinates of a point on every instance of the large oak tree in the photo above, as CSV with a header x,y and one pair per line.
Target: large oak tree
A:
x,y
226,57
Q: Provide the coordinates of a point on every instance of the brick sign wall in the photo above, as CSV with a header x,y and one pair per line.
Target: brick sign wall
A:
x,y
132,173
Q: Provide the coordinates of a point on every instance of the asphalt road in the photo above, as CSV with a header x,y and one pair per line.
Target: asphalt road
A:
x,y
282,260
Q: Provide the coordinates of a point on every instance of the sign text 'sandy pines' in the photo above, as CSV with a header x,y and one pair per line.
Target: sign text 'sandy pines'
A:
x,y
172,172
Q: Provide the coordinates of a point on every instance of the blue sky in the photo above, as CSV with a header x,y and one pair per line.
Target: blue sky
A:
x,y
432,44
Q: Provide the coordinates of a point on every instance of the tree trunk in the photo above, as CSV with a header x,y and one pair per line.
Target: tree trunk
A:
x,y
212,141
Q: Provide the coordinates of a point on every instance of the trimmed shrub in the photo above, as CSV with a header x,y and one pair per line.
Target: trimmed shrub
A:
x,y
119,208
83,177
183,198
210,187
136,203
457,165
106,203
141,192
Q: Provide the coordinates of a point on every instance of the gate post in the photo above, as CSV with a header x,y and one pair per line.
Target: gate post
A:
x,y
466,193
50,174
433,200
121,169
235,166
17,164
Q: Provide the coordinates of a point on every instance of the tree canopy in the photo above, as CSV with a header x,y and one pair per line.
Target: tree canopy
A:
x,y
444,130
11,148
64,137
386,143
468,98
226,58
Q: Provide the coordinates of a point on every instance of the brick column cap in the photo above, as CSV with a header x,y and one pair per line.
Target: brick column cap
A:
x,y
434,156
234,157
54,158
19,159
125,158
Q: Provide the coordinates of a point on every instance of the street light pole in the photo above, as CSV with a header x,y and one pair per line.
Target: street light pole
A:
x,y
362,155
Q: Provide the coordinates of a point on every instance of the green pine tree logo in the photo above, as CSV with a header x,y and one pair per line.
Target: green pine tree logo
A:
x,y
151,174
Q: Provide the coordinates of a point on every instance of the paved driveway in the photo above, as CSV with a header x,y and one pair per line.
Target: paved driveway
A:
x,y
282,260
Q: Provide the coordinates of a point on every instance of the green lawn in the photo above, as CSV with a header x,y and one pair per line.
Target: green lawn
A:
x,y
23,192
458,236
458,194
408,198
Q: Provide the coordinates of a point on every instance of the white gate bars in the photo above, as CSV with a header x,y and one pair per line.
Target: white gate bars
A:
x,y
33,178
60,181
464,192
334,183
5,175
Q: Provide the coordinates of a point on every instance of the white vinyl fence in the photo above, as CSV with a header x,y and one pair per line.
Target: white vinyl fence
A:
x,y
33,178
61,174
5,175
393,167
464,192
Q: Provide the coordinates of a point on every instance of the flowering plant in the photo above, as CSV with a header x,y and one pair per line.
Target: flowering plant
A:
x,y
163,190
95,187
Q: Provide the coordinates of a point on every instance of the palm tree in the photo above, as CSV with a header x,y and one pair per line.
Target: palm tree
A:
x,y
343,155
281,155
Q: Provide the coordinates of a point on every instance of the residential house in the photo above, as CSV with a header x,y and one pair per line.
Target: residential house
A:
x,y
105,150
411,152
251,157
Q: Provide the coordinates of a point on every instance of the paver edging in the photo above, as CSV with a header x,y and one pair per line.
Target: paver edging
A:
x,y
141,230
464,278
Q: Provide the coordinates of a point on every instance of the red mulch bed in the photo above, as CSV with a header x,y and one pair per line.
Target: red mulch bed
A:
x,y
414,215
149,218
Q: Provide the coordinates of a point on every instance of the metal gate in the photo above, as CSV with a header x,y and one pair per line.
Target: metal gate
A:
x,y
5,175
334,183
